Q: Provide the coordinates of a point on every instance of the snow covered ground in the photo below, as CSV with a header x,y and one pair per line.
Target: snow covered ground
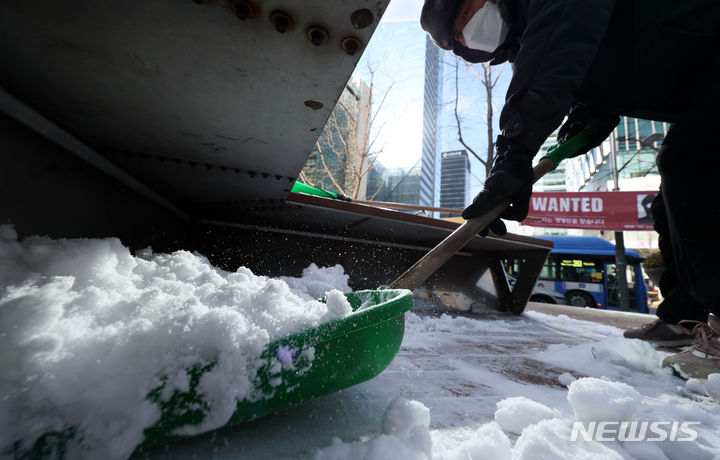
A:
x,y
89,330
486,386
74,313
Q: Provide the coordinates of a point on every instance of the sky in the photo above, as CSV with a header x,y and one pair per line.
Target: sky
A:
x,y
398,130
396,56
403,10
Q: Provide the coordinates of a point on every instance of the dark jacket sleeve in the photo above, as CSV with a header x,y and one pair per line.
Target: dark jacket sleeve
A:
x,y
557,48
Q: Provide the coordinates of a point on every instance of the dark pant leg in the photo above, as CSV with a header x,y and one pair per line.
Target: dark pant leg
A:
x,y
677,304
689,164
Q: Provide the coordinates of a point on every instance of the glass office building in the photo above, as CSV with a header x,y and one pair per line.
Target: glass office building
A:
x,y
454,180
397,185
431,112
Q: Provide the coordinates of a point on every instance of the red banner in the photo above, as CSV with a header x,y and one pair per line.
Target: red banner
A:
x,y
591,210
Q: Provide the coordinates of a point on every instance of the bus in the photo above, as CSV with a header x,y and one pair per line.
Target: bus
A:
x,y
583,271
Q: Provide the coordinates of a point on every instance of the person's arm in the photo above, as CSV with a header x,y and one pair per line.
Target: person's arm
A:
x,y
557,48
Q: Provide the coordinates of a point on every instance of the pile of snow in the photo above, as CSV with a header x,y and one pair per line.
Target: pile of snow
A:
x,y
626,383
595,400
599,400
316,281
486,442
712,386
87,330
709,387
550,439
616,356
514,414
566,378
405,434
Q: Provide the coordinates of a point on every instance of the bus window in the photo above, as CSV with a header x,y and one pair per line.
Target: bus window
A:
x,y
612,284
630,276
549,270
581,270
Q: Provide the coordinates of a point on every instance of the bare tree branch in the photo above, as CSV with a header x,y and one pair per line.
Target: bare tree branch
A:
x,y
378,190
489,83
348,139
304,179
327,170
498,75
489,117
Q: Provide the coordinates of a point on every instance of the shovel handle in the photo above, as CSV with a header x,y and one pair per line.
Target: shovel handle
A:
x,y
423,268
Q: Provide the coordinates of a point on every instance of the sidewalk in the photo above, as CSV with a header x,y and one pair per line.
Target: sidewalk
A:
x,y
460,365
619,319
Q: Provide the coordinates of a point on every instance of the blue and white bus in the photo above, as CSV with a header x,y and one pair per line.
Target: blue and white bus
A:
x,y
582,269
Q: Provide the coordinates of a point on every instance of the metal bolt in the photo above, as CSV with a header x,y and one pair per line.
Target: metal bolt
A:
x,y
317,35
362,18
315,105
244,9
282,21
351,45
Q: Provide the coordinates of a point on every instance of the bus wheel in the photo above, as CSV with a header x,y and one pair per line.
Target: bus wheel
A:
x,y
580,299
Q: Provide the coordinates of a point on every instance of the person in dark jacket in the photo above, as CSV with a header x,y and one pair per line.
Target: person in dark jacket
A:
x,y
591,61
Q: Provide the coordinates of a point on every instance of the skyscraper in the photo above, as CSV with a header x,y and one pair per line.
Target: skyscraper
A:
x,y
637,142
556,180
431,110
454,180
398,185
400,66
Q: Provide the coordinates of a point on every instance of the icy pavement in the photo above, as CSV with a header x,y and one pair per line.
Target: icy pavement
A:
x,y
495,387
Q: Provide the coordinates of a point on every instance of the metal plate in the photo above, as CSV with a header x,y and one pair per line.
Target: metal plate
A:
x,y
185,80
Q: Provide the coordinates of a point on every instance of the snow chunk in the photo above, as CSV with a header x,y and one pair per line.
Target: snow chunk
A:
x,y
402,415
595,399
514,414
337,306
566,379
405,434
489,442
550,439
316,281
712,386
695,386
88,331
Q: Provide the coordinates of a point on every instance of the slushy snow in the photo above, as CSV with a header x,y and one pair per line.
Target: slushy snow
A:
x,y
87,330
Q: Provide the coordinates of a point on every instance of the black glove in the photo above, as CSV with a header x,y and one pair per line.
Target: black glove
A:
x,y
511,177
601,123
